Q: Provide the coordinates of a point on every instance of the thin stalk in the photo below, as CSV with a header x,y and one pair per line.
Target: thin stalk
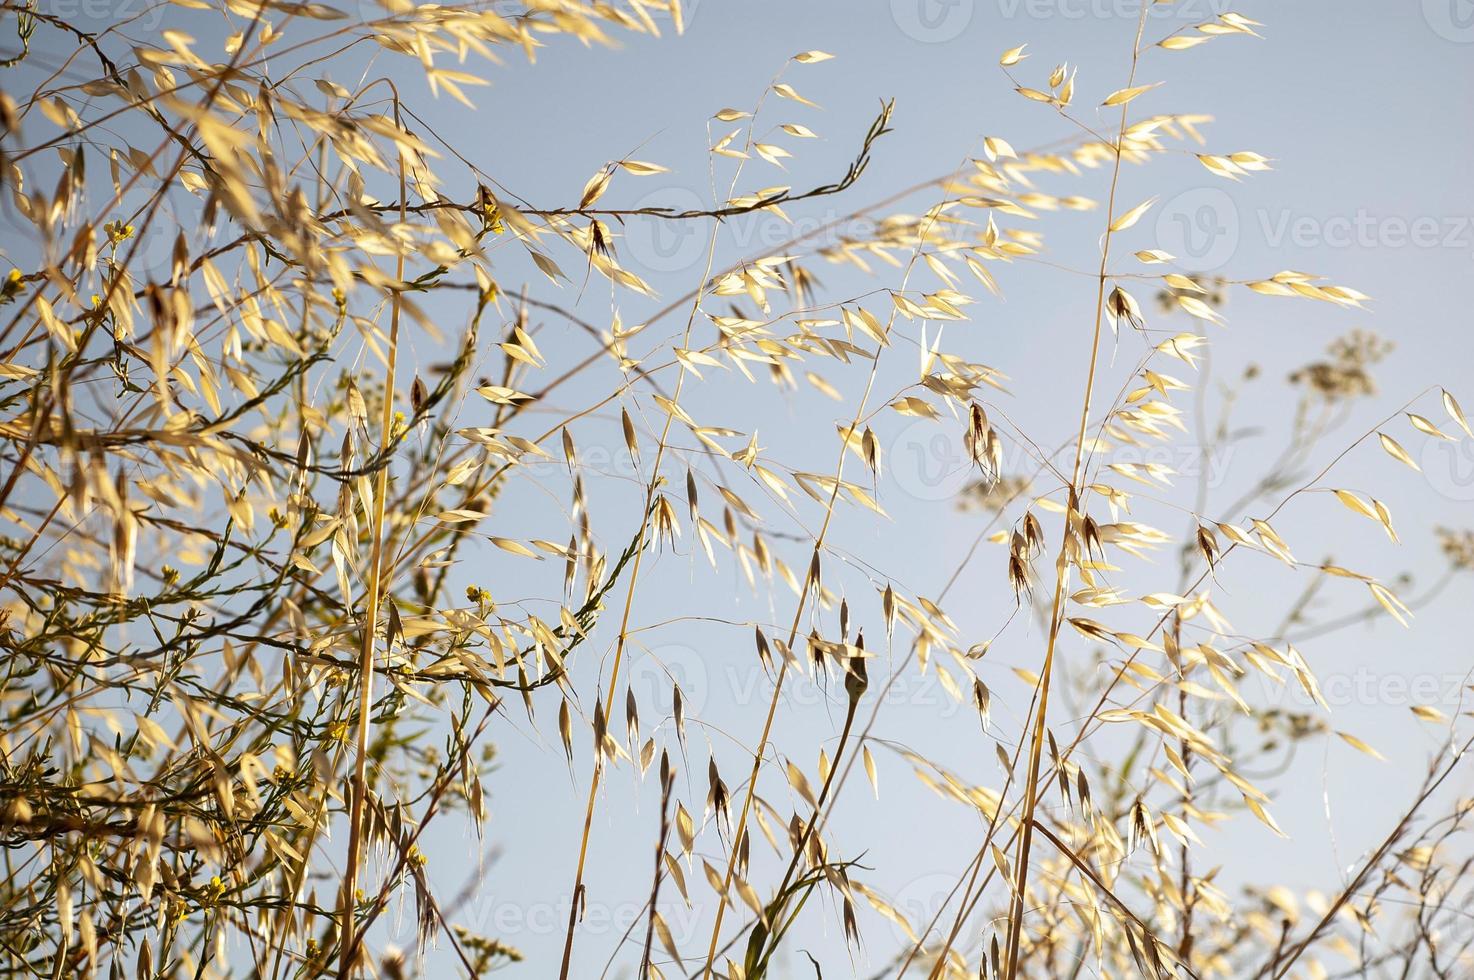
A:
x,y
624,622
1036,745
803,594
667,783
347,951
699,294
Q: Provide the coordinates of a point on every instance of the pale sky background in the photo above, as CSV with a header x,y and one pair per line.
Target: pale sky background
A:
x,y
1363,107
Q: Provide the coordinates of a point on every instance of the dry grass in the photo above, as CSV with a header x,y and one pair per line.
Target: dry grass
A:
x,y
242,679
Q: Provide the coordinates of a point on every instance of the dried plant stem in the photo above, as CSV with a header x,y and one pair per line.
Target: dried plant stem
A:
x,y
971,894
667,783
694,298
811,826
757,756
1185,877
575,902
594,780
1281,962
1062,567
348,942
809,579
779,929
